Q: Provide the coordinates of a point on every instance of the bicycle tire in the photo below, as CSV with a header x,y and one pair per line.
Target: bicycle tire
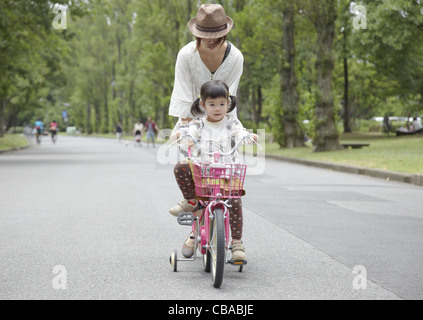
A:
x,y
206,261
174,260
206,255
217,248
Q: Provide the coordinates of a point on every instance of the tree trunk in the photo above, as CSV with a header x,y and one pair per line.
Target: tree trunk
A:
x,y
259,106
346,100
106,103
97,117
88,119
189,9
326,135
2,116
3,105
254,103
292,131
346,85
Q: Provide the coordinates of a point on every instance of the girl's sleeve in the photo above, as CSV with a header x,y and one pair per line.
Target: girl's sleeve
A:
x,y
182,95
238,131
194,130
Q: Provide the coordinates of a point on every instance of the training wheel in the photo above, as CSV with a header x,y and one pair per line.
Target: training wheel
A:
x,y
174,260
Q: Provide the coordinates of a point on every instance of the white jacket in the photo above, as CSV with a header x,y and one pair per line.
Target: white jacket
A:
x,y
191,73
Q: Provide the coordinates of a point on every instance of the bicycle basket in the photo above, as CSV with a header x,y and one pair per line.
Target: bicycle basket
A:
x,y
227,180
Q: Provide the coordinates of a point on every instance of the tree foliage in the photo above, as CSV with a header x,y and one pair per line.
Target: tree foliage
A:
x,y
115,63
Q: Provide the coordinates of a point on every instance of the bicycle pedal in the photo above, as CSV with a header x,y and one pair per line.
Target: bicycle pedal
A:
x,y
238,262
186,218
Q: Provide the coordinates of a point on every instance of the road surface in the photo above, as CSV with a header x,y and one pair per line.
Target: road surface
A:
x,y
88,218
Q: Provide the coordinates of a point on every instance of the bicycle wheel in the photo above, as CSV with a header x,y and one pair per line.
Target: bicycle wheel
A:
x,y
217,248
206,256
206,261
174,260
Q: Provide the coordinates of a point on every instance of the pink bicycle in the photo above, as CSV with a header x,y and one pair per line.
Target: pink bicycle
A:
x,y
216,184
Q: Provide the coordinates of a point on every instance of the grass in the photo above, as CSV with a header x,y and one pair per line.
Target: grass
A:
x,y
401,154
9,141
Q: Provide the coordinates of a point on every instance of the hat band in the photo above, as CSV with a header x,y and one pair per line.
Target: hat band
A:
x,y
211,29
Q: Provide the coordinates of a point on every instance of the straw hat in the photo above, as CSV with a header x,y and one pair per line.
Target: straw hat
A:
x,y
211,22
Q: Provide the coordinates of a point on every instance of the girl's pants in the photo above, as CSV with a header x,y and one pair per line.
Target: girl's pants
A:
x,y
185,182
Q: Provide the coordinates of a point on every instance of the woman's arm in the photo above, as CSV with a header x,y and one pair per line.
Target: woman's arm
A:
x,y
182,94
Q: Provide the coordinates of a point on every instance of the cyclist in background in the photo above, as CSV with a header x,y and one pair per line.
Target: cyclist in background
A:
x,y
39,127
53,130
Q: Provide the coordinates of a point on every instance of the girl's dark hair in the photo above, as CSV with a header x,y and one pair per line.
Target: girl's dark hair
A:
x,y
212,89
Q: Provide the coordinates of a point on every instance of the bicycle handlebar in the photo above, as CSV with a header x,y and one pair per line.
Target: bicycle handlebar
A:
x,y
185,134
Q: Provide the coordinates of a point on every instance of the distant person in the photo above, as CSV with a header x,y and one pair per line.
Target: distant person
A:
x,y
28,132
151,128
138,128
119,131
39,129
53,130
417,125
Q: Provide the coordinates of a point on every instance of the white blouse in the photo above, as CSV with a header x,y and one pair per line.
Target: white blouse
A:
x,y
191,73
216,136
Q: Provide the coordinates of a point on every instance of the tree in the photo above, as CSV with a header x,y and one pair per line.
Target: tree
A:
x,y
253,34
323,15
293,135
392,43
31,55
24,31
345,31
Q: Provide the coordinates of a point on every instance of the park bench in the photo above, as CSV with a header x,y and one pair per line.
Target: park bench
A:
x,y
406,132
354,145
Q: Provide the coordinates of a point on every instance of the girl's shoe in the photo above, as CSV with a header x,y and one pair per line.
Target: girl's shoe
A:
x,y
183,206
238,251
188,247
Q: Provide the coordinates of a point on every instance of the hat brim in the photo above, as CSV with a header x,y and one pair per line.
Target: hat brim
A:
x,y
209,35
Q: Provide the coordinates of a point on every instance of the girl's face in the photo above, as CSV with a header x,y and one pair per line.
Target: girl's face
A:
x,y
216,108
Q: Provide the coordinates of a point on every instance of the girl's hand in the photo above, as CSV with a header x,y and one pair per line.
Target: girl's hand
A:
x,y
176,135
255,137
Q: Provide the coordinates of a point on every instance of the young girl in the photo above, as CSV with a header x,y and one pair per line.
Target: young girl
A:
x,y
213,131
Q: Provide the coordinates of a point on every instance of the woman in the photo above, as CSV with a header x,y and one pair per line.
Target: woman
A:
x,y
210,57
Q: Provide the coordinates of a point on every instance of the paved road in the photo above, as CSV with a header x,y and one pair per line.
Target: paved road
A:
x,y
94,212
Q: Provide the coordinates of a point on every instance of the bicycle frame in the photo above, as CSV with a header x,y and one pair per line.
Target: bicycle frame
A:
x,y
208,184
207,216
201,225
